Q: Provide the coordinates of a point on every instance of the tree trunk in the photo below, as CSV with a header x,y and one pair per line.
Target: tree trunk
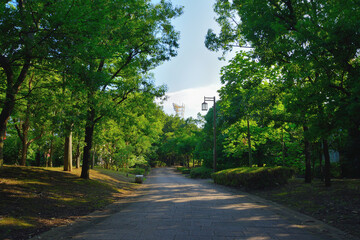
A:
x,y
321,165
68,153
23,132
2,138
51,150
327,163
6,111
307,157
24,150
89,132
282,146
93,159
77,155
249,142
38,158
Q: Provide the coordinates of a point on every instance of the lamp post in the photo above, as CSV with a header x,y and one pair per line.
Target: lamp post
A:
x,y
204,107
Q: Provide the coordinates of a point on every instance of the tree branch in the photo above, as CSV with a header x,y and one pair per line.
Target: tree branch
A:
x,y
36,138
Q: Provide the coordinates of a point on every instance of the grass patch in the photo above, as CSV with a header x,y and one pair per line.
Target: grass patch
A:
x,y
338,205
33,200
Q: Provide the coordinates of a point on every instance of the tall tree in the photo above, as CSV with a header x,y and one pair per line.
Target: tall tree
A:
x,y
129,48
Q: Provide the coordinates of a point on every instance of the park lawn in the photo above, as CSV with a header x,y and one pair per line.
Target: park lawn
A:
x,y
338,205
33,200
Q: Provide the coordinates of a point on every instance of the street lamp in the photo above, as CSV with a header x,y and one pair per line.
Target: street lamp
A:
x,y
204,107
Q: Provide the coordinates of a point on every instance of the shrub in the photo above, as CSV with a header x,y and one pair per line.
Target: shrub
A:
x,y
254,178
201,172
146,167
136,171
183,170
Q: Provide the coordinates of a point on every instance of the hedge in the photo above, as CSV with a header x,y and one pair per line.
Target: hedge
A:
x,y
201,172
254,178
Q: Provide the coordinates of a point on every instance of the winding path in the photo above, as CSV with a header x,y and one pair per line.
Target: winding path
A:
x,y
172,206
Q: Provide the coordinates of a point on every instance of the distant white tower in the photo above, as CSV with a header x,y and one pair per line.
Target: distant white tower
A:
x,y
180,110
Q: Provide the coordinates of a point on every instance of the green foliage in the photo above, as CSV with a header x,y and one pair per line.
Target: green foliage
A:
x,y
178,141
157,164
303,69
80,67
253,178
183,170
201,172
11,150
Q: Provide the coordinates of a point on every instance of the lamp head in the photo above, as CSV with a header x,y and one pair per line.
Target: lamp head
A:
x,y
204,106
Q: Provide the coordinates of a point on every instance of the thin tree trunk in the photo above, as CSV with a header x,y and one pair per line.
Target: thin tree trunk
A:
x,y
282,146
51,150
66,154
70,161
307,157
321,165
24,134
327,163
249,141
2,138
38,158
77,156
313,159
46,155
89,131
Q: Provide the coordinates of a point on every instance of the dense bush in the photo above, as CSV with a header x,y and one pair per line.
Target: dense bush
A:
x,y
253,178
183,170
201,172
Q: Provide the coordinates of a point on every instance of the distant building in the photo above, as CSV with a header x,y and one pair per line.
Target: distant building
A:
x,y
180,110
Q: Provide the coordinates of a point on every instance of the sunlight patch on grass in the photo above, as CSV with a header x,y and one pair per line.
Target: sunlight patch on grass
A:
x,y
14,222
36,182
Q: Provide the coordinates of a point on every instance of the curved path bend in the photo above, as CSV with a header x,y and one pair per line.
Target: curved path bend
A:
x,y
173,207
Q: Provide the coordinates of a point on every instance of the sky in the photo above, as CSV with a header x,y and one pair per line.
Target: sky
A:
x,y
195,71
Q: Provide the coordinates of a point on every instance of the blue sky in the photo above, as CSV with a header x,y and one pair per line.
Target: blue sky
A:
x,y
194,73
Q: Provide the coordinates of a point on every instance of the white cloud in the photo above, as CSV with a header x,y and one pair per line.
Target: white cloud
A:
x,y
191,98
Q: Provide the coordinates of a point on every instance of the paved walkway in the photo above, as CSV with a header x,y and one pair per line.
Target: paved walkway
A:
x,y
175,207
